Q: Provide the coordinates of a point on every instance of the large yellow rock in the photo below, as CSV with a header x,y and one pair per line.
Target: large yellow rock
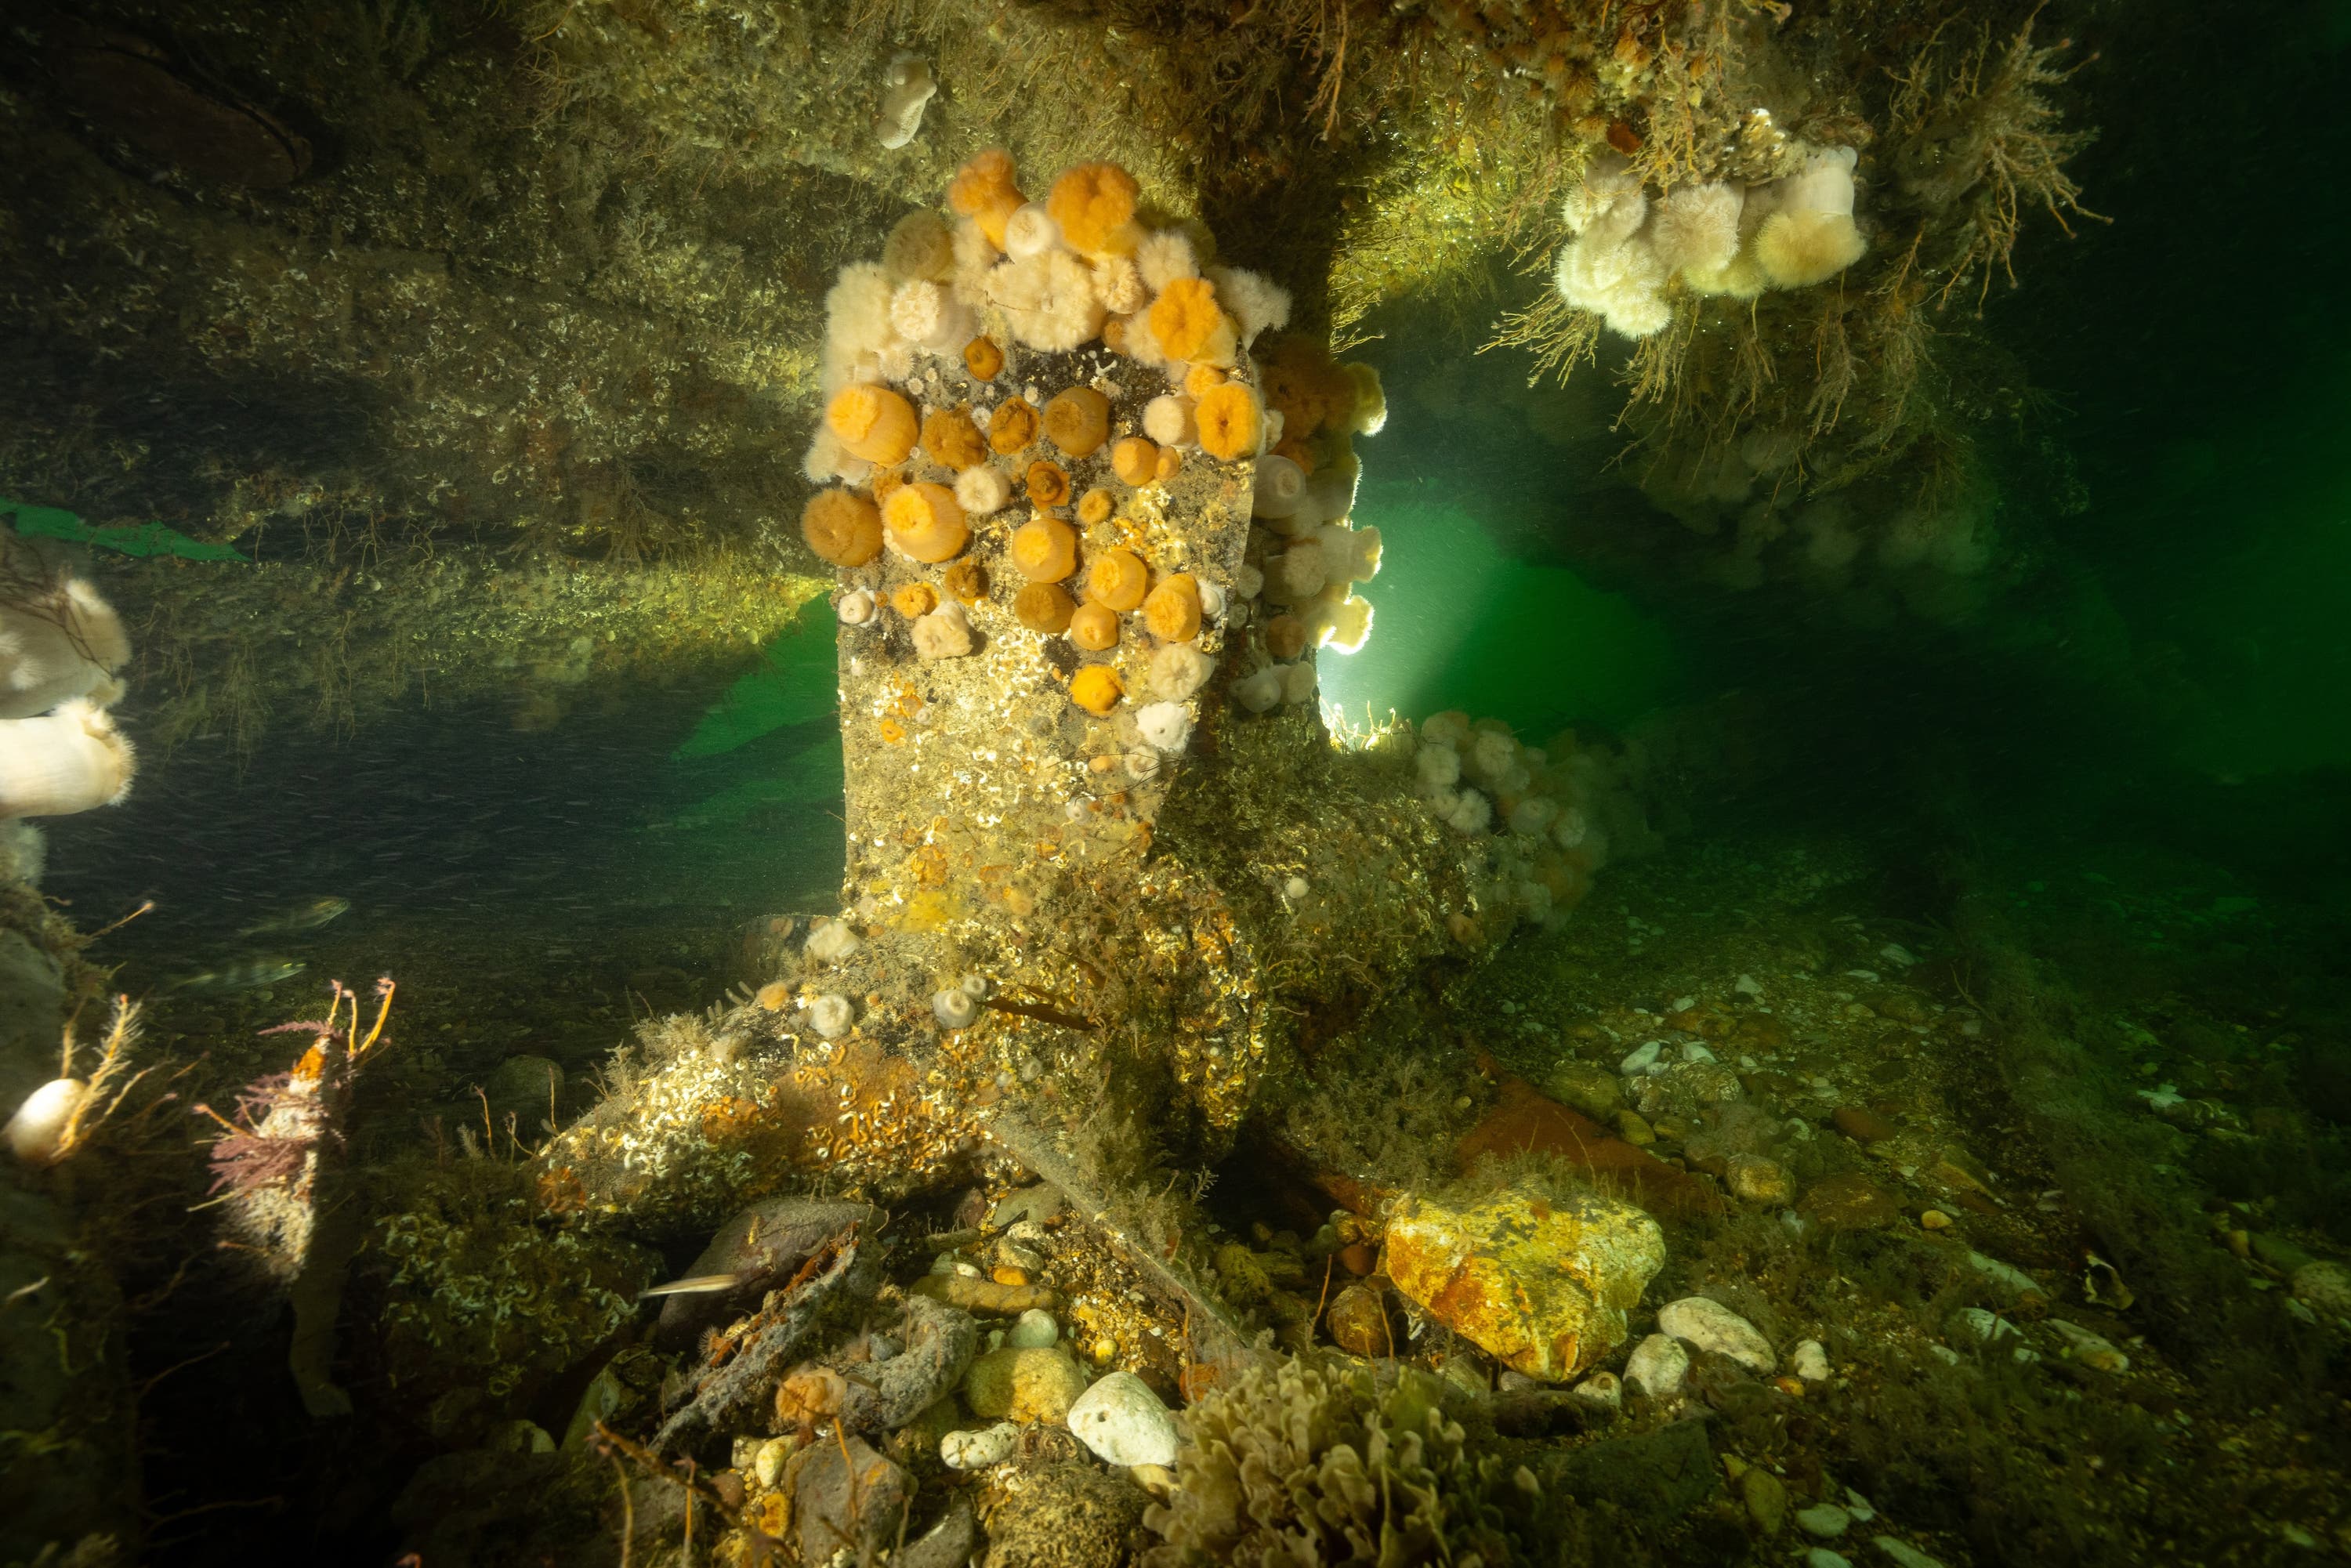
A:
x,y
1540,1284
1024,1385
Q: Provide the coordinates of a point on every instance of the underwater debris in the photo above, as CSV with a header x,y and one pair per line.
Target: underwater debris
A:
x,y
752,1253
274,1168
741,1379
267,1162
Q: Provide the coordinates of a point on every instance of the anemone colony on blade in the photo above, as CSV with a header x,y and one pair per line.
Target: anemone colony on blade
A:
x,y
1052,278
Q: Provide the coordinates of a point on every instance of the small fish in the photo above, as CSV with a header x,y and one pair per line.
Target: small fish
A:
x,y
245,975
701,1284
307,917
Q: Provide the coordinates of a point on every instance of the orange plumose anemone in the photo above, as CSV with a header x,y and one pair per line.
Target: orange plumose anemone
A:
x,y
951,441
873,422
1186,322
1044,607
1013,427
925,523
1094,205
985,190
1094,506
1045,549
1285,637
967,581
1171,463
1312,389
1200,378
1172,610
1136,460
1118,579
1231,421
1078,422
1048,482
775,995
842,527
1096,689
912,599
983,359
1095,628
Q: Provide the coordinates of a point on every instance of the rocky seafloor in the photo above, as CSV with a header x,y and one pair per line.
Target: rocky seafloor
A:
x,y
1973,1212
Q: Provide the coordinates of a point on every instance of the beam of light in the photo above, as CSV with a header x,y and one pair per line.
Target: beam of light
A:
x,y
1459,624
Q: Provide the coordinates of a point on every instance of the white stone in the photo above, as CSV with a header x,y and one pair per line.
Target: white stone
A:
x,y
1975,1326
1695,1051
1710,1325
977,1450
1809,1360
1034,1330
1642,1060
768,1462
37,1129
1904,1556
1657,1367
1821,1557
1124,1423
1746,987
2323,1286
1859,1506
2015,1278
2089,1349
1824,1520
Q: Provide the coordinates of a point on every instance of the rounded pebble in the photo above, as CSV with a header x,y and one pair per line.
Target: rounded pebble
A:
x,y
2323,1287
977,1450
1810,1361
1034,1330
1710,1325
1657,1366
1124,1422
767,1464
1823,1520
